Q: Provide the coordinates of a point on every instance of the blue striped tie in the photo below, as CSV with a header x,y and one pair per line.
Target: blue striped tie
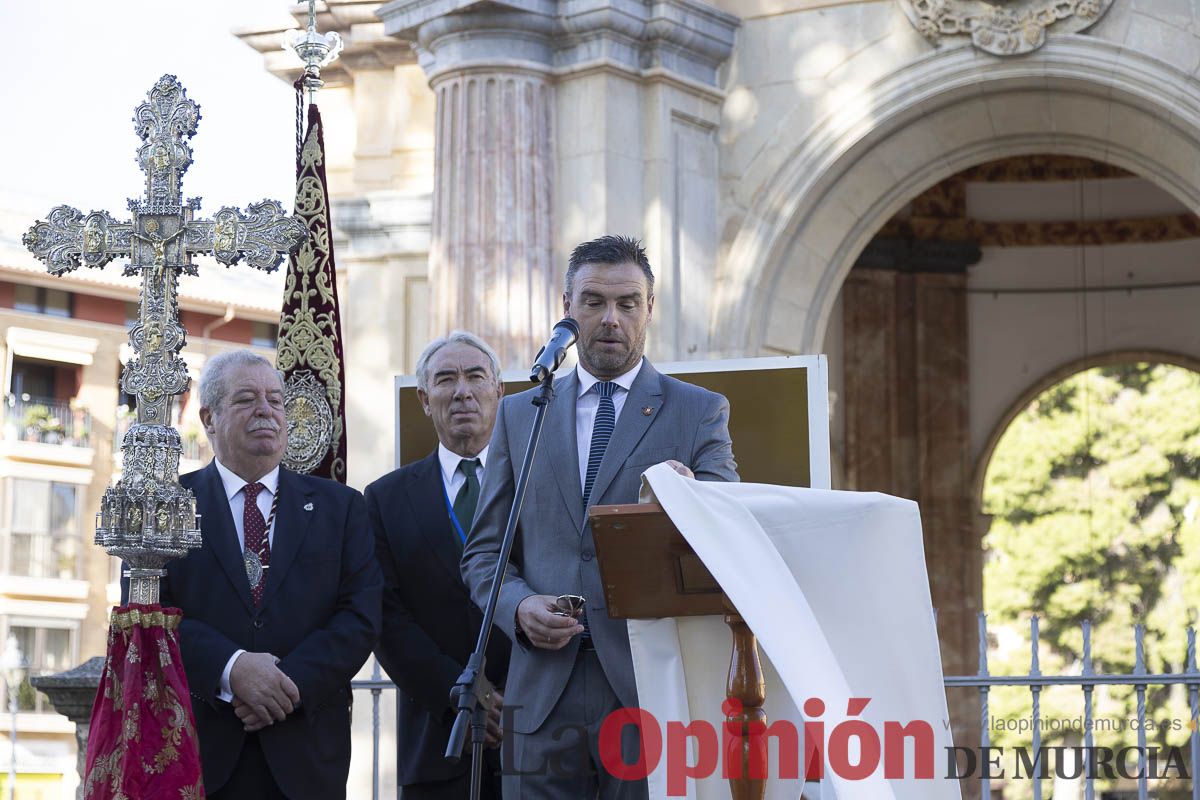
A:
x,y
602,431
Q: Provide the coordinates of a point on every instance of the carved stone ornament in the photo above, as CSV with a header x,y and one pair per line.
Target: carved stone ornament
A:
x,y
1002,27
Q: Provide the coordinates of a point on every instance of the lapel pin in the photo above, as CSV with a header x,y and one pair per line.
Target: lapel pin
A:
x,y
308,506
647,411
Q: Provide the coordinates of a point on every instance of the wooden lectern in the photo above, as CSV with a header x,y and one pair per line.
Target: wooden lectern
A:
x,y
649,572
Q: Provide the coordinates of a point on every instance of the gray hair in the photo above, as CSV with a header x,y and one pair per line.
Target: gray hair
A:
x,y
454,337
214,383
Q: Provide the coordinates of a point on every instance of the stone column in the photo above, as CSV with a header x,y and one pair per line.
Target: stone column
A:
x,y
490,262
72,694
906,360
558,122
639,99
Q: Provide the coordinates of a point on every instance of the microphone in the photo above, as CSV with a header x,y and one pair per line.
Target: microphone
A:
x,y
565,332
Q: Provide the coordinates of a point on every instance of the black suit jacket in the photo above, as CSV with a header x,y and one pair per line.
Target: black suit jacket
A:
x,y
430,624
320,614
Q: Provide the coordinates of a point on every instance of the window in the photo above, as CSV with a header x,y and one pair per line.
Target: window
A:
x,y
131,315
44,536
263,334
40,300
44,651
33,379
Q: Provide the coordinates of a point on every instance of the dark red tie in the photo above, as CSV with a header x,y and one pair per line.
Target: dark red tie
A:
x,y
254,530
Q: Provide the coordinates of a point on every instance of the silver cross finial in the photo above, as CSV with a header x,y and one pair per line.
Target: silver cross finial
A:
x,y
314,49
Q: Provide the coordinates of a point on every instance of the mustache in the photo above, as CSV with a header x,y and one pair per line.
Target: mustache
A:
x,y
264,423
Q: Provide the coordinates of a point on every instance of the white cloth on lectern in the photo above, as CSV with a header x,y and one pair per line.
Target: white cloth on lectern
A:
x,y
834,586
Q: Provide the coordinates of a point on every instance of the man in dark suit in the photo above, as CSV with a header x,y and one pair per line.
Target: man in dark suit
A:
x,y
281,604
420,514
612,417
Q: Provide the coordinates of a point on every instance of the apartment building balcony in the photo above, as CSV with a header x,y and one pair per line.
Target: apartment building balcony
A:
x,y
46,430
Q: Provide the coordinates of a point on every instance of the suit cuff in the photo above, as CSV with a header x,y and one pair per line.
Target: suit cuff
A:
x,y
223,691
519,635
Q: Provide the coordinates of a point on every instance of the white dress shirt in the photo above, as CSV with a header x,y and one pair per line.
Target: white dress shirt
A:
x,y
588,402
237,500
452,477
234,493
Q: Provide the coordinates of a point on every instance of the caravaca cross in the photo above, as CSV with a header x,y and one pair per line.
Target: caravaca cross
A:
x,y
148,518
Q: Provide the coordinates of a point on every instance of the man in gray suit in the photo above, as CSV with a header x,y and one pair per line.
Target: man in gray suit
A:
x,y
612,418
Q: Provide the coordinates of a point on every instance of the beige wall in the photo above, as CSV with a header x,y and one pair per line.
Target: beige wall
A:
x,y
752,9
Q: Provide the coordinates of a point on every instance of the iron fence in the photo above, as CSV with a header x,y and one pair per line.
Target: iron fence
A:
x,y
984,682
1087,680
376,685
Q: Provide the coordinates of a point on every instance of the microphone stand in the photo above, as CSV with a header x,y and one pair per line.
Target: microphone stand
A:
x,y
465,695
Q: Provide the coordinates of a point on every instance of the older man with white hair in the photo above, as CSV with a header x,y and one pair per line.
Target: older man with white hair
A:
x,y
281,604
421,514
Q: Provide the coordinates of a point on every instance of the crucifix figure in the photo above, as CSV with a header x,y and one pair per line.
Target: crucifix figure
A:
x,y
147,518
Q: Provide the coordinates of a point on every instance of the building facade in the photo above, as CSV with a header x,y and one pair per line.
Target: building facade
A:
x,y
957,201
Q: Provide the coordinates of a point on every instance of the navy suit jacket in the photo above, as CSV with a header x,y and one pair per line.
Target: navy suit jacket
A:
x,y
430,624
320,615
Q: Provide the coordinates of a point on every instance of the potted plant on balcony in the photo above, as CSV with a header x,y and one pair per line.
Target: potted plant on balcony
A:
x,y
42,426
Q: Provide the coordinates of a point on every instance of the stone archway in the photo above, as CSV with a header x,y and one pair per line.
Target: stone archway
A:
x,y
1077,96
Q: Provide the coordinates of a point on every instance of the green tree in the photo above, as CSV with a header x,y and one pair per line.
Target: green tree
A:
x,y
1094,491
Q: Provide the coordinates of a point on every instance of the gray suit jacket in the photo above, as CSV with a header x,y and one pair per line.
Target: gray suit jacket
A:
x,y
554,552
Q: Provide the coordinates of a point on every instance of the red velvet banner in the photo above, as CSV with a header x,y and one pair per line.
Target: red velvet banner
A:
x,y
142,743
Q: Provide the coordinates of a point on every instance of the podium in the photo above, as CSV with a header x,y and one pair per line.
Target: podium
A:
x,y
649,571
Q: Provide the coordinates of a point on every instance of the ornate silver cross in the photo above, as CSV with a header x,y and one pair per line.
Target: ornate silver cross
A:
x,y
147,518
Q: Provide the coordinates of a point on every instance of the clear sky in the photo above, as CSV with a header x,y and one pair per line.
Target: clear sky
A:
x,y
74,70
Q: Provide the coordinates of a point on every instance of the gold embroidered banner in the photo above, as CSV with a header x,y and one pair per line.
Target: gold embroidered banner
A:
x,y
310,335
